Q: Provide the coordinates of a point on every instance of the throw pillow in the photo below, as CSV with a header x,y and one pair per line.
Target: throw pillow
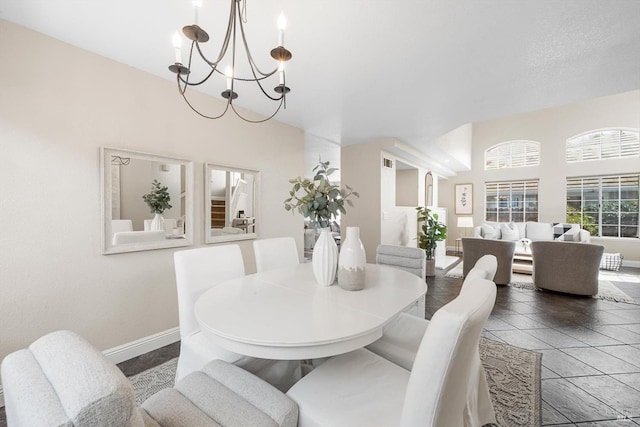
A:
x,y
509,231
539,231
490,232
566,232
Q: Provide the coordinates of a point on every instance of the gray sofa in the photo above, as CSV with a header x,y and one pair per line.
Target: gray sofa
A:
x,y
61,380
534,231
567,267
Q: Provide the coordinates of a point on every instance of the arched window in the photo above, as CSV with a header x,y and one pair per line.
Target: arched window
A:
x,y
512,154
603,144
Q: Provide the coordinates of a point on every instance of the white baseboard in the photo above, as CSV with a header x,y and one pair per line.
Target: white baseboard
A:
x,y
143,345
630,263
134,349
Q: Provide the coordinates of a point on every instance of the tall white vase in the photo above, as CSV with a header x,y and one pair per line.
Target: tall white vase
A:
x,y
325,258
158,223
351,265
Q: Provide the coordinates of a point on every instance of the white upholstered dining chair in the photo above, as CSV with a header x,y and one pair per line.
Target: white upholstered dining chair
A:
x,y
275,253
197,270
402,337
361,388
408,259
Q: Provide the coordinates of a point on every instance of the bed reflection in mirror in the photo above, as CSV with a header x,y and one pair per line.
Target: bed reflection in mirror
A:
x,y
147,201
231,212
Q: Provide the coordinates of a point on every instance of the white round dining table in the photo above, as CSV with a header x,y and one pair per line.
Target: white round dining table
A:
x,y
285,315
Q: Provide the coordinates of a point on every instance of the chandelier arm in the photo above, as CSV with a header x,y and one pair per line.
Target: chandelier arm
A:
x,y
186,81
204,115
258,121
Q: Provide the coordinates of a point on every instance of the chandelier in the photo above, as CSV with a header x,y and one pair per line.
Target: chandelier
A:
x,y
198,36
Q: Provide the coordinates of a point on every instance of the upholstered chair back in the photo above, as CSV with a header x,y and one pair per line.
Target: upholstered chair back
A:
x,y
485,268
276,253
61,380
412,260
198,270
568,267
503,250
437,389
121,225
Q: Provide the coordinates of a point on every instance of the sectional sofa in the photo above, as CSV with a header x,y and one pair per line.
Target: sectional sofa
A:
x,y
523,233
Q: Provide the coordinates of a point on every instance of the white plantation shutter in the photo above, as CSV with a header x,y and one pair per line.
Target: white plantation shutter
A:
x,y
512,154
511,201
603,144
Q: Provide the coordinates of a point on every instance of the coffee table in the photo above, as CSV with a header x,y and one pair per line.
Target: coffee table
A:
x,y
523,259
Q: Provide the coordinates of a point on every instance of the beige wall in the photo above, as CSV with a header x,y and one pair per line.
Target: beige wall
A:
x,y
58,105
551,127
360,166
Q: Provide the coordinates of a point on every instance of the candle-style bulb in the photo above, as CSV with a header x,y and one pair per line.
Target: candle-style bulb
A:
x,y
282,25
281,72
229,73
177,45
197,4
282,22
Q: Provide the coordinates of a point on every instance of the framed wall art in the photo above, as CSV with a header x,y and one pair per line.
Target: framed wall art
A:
x,y
464,199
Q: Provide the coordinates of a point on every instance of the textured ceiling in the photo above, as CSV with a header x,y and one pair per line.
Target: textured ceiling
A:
x,y
364,70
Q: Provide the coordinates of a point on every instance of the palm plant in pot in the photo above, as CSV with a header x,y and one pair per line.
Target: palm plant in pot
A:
x,y
430,232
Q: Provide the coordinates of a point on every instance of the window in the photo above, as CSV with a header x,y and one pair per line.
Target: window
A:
x,y
605,205
603,144
511,201
512,154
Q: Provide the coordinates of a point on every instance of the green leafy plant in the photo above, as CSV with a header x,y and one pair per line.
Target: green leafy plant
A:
x,y
430,232
318,199
158,199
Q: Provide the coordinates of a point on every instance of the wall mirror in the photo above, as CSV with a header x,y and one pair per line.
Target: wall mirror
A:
x,y
147,201
231,208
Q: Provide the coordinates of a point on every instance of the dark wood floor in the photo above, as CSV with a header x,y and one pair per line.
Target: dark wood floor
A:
x,y
590,347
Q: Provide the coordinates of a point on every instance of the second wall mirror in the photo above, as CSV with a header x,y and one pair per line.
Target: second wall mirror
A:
x,y
231,211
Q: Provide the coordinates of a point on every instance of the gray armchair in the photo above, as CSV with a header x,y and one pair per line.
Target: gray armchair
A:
x,y
474,248
567,267
61,380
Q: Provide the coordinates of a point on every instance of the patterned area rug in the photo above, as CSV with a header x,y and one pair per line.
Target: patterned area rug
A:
x,y
513,375
149,382
606,290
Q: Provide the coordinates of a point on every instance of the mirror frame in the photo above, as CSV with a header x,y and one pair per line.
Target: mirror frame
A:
x,y
106,201
207,205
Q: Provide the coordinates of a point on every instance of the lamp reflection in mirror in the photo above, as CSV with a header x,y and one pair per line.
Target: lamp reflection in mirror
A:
x,y
231,210
465,222
126,177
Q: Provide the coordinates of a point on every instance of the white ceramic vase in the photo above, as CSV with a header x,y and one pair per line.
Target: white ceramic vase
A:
x,y
158,223
351,265
325,258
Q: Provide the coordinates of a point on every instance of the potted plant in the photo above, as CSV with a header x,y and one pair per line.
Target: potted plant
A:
x,y
429,234
321,201
158,201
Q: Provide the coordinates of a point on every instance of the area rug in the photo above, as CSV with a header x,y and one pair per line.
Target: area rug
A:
x,y
606,290
513,375
149,382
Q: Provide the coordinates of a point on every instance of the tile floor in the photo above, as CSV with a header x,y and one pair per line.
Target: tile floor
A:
x,y
590,347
